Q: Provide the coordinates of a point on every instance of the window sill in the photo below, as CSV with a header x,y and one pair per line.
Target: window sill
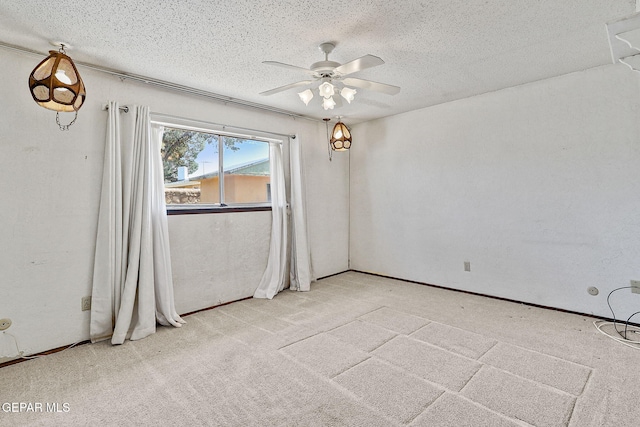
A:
x,y
213,209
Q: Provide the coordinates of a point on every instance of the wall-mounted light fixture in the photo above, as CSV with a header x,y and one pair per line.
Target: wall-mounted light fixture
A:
x,y
56,84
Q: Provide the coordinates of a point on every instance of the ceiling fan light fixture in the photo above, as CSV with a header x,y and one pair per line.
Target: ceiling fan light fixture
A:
x,y
340,137
326,89
328,103
327,72
348,94
306,96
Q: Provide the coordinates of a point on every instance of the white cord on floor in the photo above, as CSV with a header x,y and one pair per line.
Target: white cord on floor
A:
x,y
629,343
21,353
627,42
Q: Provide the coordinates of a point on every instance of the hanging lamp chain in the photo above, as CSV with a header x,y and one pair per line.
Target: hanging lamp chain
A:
x,y
65,127
326,122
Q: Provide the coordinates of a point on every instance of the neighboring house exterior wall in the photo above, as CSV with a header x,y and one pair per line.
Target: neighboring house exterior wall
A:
x,y
209,192
237,189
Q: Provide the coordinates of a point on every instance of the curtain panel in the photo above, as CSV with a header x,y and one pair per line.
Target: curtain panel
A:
x,y
273,279
296,257
132,284
301,274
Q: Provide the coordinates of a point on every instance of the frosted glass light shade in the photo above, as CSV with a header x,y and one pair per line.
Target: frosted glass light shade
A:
x,y
348,94
328,103
340,137
306,96
326,90
56,84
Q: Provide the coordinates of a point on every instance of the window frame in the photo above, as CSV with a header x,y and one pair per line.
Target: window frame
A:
x,y
165,121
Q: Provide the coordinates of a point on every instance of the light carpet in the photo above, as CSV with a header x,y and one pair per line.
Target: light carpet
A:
x,y
357,350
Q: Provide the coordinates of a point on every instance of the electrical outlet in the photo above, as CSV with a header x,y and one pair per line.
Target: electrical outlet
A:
x,y
86,303
467,266
635,286
5,324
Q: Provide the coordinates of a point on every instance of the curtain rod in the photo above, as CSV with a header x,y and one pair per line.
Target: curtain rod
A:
x,y
160,116
168,85
124,109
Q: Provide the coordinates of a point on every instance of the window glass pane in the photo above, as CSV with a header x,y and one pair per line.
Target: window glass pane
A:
x,y
190,162
191,168
246,170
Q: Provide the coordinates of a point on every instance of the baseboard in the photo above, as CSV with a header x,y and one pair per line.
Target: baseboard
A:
x,y
593,316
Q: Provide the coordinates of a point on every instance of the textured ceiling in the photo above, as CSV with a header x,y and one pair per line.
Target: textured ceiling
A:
x,y
435,50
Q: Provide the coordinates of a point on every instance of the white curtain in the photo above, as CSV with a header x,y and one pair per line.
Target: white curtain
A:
x,y
274,275
301,273
132,284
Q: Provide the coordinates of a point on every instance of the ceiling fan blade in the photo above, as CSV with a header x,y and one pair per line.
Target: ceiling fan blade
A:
x,y
359,64
368,84
286,87
291,67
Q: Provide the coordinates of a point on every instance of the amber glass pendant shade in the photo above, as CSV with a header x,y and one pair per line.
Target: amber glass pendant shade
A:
x,y
56,84
340,137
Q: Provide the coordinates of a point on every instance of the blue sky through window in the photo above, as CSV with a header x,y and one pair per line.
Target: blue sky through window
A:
x,y
249,151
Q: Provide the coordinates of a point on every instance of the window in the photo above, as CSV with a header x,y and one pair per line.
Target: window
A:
x,y
206,169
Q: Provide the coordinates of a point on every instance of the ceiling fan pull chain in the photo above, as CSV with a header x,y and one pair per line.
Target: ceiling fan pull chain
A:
x,y
326,122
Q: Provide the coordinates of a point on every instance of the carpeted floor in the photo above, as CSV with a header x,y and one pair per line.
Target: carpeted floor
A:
x,y
358,350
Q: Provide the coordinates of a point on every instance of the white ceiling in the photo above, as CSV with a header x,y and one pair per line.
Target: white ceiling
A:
x,y
435,50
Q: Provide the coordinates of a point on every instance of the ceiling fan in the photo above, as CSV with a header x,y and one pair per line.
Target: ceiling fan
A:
x,y
333,78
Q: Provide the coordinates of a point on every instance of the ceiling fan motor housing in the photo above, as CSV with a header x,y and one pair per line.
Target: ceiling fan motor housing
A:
x,y
325,68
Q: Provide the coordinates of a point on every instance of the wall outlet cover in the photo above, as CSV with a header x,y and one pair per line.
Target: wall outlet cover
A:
x,y
5,324
635,286
86,303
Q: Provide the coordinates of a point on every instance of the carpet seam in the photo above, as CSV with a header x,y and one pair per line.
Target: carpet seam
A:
x,y
426,407
589,369
411,374
362,321
340,388
495,342
545,354
529,380
349,367
301,339
575,404
493,411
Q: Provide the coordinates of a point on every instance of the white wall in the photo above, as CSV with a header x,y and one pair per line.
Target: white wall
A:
x,y
217,258
538,186
49,191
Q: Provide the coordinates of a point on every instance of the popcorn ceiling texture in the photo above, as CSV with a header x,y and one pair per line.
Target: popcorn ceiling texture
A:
x,y
436,51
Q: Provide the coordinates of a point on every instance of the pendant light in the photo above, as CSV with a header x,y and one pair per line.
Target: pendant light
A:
x,y
340,137
55,84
